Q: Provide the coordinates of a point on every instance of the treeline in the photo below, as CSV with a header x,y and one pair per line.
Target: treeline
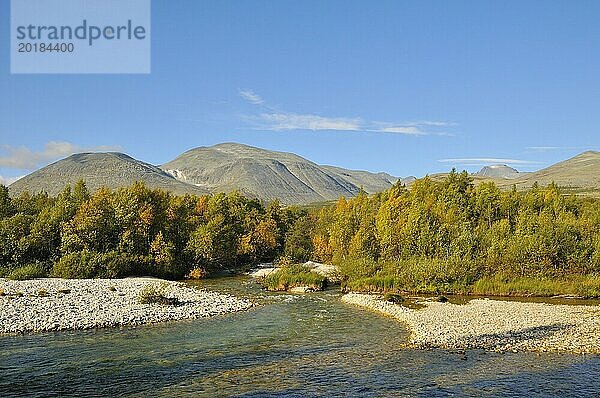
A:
x,y
138,231
448,235
439,236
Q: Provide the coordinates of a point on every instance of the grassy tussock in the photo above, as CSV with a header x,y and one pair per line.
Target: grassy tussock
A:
x,y
291,276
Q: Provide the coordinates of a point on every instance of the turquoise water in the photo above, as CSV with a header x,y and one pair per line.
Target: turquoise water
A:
x,y
290,346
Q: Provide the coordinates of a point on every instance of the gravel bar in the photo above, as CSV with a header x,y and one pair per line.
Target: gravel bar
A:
x,y
496,325
42,305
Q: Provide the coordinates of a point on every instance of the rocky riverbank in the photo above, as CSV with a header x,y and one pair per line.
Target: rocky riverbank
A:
x,y
69,304
494,324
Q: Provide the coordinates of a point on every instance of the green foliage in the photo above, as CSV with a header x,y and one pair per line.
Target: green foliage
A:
x,y
81,264
298,242
444,236
293,275
438,237
137,231
30,271
583,286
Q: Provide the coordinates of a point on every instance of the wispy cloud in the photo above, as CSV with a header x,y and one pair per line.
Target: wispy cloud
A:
x,y
24,158
487,161
251,97
431,123
293,121
408,130
275,120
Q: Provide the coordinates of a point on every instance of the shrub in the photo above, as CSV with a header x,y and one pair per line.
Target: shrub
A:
x,y
120,265
42,293
196,273
157,294
30,271
79,265
292,276
393,298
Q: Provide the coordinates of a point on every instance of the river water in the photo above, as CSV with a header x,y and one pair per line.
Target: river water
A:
x,y
288,346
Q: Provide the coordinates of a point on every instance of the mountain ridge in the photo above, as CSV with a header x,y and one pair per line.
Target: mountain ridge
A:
x,y
269,175
98,169
225,167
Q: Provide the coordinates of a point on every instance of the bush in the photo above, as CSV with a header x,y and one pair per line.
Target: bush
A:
x,y
120,265
79,265
293,276
393,298
30,271
157,294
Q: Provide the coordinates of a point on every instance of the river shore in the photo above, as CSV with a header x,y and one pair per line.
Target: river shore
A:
x,y
41,305
496,325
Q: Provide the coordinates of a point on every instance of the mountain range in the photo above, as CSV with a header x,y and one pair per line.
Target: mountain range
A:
x,y
224,167
269,175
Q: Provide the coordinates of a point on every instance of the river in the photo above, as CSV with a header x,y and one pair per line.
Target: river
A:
x,y
288,346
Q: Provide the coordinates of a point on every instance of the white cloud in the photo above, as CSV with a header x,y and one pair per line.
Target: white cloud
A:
x,y
274,120
397,128
24,158
431,123
251,97
487,161
292,121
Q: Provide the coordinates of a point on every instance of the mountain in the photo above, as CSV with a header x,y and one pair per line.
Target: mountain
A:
x,y
270,175
370,182
498,171
580,173
110,169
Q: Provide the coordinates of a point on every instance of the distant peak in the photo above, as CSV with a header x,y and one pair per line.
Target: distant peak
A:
x,y
99,155
498,170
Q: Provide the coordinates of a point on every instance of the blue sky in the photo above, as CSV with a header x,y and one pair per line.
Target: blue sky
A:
x,y
406,87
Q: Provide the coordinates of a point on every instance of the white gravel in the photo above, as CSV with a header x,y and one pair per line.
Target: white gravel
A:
x,y
94,303
495,324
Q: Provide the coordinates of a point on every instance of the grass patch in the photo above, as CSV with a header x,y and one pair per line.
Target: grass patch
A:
x,y
414,276
584,286
290,276
443,277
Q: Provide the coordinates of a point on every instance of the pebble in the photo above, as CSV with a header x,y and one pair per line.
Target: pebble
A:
x,y
496,325
96,303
